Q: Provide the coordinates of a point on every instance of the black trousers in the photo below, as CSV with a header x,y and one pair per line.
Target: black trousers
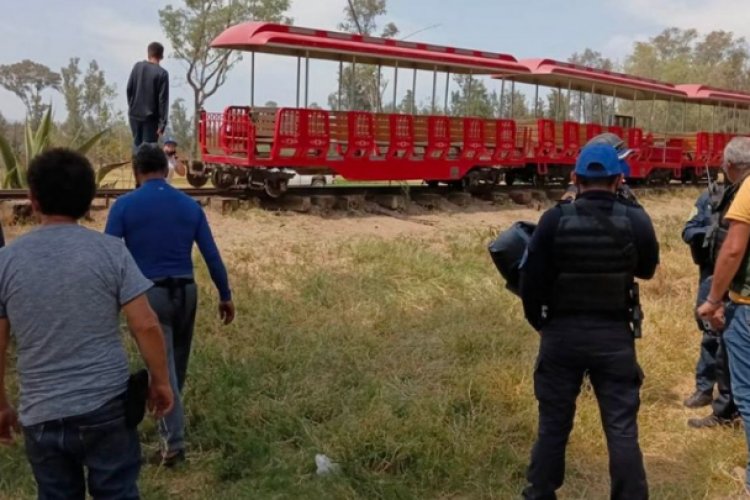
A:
x,y
605,350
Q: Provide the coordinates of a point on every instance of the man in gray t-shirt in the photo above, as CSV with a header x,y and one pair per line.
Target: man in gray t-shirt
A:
x,y
62,287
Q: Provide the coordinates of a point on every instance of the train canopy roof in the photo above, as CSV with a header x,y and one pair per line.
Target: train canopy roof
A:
x,y
319,44
562,75
703,94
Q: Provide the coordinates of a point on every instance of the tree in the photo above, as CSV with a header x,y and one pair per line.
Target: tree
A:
x,y
360,16
359,84
191,28
89,101
718,59
28,79
591,107
182,128
472,98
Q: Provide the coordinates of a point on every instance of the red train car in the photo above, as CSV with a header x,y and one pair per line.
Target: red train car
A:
x,y
262,148
259,147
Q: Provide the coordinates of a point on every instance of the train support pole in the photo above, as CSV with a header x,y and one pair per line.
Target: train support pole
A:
x,y
341,83
307,79
666,127
252,79
502,98
434,90
447,91
352,82
379,96
395,87
413,102
299,77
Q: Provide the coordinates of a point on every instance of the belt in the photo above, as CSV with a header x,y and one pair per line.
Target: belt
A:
x,y
173,284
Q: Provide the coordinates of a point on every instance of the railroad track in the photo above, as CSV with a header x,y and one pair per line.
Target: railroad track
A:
x,y
362,190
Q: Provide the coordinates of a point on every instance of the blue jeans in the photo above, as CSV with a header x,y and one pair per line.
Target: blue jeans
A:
x,y
176,310
144,131
95,448
737,339
705,369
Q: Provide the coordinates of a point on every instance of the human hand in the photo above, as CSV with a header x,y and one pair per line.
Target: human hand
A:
x,y
226,311
160,399
713,313
8,424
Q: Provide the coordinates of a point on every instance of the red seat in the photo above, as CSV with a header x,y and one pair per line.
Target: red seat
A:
x,y
401,129
506,141
618,131
545,147
237,133
703,147
592,130
635,138
474,143
438,137
571,138
288,134
316,137
361,136
719,143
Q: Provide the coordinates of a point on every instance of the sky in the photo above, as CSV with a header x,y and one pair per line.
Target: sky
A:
x,y
116,32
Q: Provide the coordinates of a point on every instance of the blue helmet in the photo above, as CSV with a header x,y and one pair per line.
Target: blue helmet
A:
x,y
600,160
617,143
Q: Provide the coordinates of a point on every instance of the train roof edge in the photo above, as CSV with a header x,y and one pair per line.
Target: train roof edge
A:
x,y
337,46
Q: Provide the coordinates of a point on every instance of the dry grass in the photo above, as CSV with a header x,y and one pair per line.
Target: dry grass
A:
x,y
392,347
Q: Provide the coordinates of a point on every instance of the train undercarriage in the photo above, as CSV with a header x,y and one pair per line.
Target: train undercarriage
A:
x,y
274,182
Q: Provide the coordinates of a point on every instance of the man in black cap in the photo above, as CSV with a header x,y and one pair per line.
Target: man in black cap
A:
x,y
578,291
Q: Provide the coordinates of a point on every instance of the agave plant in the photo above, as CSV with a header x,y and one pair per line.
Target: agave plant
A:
x,y
36,142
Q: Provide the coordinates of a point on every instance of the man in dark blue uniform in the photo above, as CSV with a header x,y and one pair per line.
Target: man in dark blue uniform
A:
x,y
712,368
578,291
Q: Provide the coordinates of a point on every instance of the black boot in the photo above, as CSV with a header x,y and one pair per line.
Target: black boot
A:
x,y
699,399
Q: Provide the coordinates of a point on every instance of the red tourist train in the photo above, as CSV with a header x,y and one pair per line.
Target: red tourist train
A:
x,y
262,148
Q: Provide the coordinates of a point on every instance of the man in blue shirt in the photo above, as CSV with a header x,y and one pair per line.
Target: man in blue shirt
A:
x,y
159,225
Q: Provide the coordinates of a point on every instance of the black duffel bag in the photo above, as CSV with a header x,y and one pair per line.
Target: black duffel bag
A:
x,y
508,251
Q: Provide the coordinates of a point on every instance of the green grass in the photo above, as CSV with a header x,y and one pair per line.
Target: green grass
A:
x,y
405,361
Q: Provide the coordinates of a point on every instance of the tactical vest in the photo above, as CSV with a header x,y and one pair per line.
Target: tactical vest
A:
x,y
721,199
596,267
718,233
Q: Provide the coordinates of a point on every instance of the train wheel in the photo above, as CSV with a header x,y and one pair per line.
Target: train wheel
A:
x,y
275,188
470,182
539,180
222,179
510,178
432,184
318,181
197,180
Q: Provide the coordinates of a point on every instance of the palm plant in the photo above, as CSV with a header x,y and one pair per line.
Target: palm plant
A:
x,y
36,142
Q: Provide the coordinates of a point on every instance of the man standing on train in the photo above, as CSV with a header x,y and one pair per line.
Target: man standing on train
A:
x,y
148,97
579,292
731,277
160,224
